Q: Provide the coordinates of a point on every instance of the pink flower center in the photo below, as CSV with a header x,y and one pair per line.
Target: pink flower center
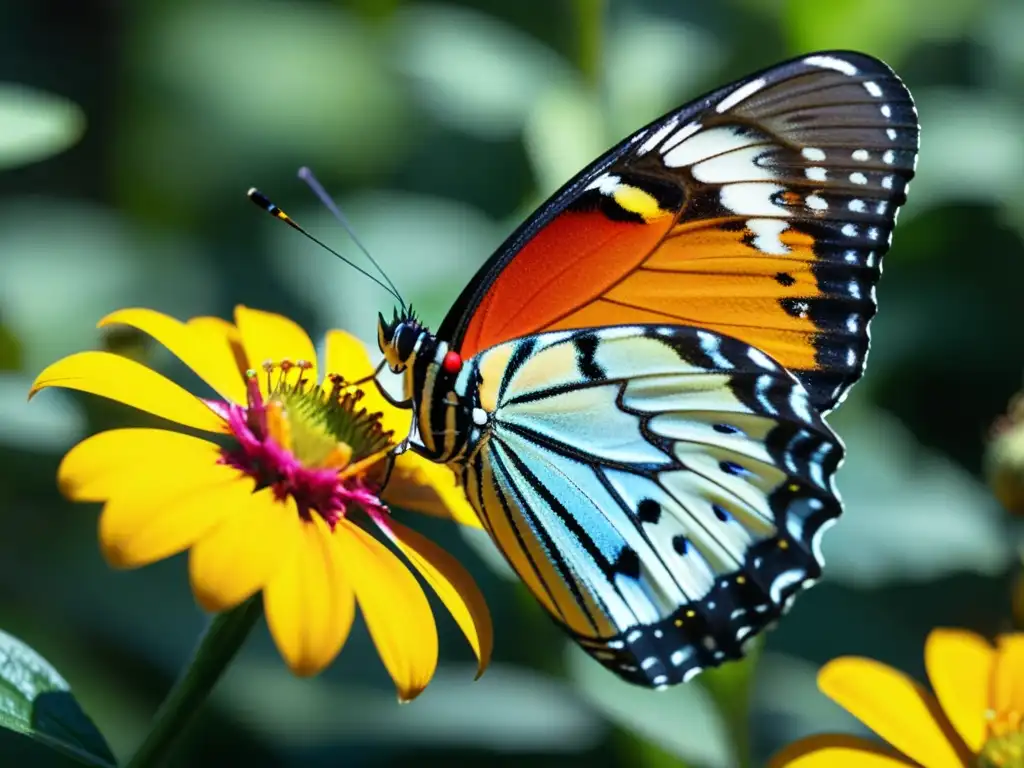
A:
x,y
311,443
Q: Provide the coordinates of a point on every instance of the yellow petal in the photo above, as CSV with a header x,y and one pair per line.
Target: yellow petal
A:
x,y
347,356
453,585
836,751
893,706
309,604
201,347
99,465
118,378
218,327
141,524
1008,678
269,337
960,667
237,558
421,485
396,610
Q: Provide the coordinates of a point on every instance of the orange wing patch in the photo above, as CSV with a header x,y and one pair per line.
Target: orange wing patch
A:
x,y
761,212
570,263
707,274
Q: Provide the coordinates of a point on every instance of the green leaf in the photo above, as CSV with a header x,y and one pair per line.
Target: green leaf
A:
x,y
471,71
683,721
731,686
10,350
36,125
37,702
812,25
918,514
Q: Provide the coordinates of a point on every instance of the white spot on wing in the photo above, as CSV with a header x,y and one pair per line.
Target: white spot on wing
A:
x,y
760,358
696,145
891,133
860,155
607,183
740,94
813,153
886,110
850,230
766,235
735,165
858,178
691,673
815,173
872,87
681,135
816,538
710,344
831,62
798,402
889,157
761,387
752,199
678,657
783,581
857,206
816,203
657,137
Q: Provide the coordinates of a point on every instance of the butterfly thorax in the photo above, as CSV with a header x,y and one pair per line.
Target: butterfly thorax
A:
x,y
448,422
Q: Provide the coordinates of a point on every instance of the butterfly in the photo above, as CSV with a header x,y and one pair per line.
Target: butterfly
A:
x,y
632,389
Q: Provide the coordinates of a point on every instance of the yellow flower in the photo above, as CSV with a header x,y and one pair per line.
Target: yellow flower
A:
x,y
975,717
277,501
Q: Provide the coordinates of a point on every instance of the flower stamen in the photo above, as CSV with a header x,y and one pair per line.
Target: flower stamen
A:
x,y
314,445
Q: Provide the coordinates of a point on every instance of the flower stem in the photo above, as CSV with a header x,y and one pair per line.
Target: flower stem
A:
x,y
218,645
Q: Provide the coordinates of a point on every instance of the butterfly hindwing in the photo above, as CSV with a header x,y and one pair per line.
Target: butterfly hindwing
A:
x,y
661,489
761,211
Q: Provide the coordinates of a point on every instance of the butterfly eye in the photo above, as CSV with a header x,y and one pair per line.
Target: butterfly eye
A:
x,y
405,341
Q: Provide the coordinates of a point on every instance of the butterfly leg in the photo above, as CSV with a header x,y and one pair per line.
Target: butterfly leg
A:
x,y
406,404
372,377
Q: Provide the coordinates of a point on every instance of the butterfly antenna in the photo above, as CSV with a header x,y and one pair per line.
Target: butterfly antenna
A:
x,y
263,202
311,181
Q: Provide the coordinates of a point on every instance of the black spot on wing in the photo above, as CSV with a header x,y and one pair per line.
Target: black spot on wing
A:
x,y
628,563
648,511
785,279
586,345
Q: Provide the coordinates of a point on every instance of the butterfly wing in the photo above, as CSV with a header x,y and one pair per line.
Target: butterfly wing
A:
x,y
760,211
662,490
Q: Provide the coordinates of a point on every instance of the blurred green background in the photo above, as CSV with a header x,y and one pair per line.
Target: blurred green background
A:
x,y
438,127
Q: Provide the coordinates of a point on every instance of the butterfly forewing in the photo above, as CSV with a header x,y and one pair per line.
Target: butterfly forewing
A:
x,y
761,211
661,489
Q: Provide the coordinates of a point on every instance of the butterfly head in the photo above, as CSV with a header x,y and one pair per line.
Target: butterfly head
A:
x,y
398,339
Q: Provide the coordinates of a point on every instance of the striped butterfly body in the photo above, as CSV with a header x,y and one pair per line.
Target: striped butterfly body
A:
x,y
632,389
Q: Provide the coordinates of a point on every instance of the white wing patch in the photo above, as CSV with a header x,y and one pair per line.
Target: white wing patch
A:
x,y
663,486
